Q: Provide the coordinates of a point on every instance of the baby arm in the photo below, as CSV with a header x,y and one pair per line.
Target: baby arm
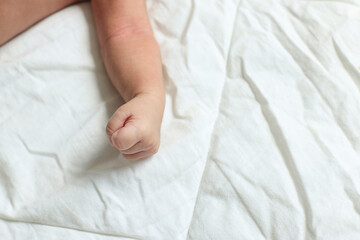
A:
x,y
132,59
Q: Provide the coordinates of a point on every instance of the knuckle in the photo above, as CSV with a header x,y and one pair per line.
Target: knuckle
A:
x,y
150,143
154,148
144,131
153,151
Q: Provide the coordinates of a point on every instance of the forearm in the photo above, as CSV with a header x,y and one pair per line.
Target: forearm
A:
x,y
130,52
134,65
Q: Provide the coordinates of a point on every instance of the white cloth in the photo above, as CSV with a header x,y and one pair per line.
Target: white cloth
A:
x,y
260,138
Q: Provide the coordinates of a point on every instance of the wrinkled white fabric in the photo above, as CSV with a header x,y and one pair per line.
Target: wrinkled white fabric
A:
x,y
260,138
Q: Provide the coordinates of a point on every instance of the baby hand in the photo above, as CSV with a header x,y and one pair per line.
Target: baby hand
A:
x,y
134,129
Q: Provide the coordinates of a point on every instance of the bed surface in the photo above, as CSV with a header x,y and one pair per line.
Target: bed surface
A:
x,y
260,137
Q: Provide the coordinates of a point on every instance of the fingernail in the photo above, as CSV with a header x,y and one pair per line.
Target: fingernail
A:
x,y
113,136
111,142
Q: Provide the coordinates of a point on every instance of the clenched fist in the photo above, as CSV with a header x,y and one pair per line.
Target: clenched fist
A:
x,y
134,129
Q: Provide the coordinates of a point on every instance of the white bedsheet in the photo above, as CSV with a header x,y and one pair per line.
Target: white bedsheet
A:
x,y
260,138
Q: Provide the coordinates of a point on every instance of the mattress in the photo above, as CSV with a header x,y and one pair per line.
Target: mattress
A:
x,y
260,137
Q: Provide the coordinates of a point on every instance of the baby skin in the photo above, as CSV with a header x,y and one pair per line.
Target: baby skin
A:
x,y
132,59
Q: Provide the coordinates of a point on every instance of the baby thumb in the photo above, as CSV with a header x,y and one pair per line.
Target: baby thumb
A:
x,y
125,137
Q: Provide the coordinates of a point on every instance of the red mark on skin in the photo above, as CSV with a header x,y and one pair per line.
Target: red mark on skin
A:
x,y
126,120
